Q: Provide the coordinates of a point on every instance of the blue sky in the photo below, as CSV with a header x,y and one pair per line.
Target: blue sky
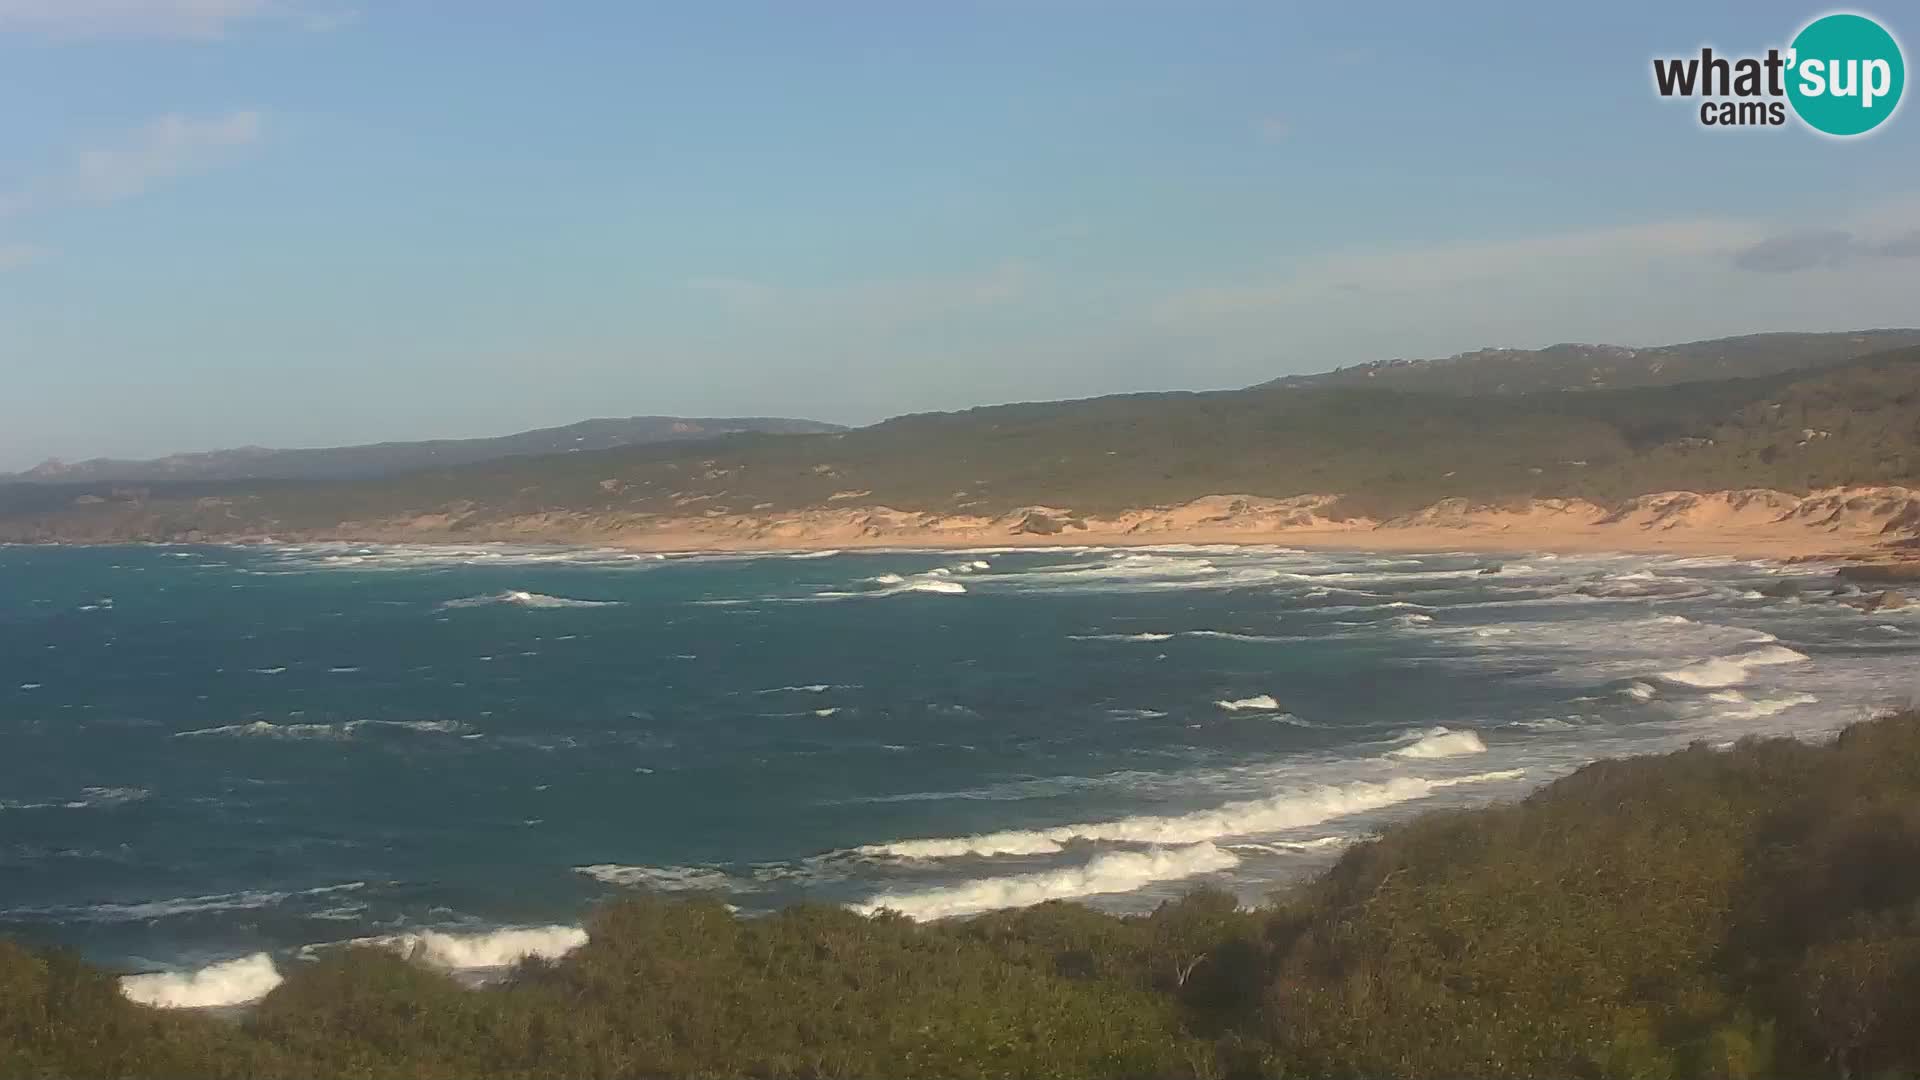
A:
x,y
314,222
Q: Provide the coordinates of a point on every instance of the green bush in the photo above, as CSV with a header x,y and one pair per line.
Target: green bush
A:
x,y
1746,913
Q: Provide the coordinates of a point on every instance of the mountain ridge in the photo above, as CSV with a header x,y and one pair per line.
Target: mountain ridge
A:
x,y
1578,366
373,459
1373,452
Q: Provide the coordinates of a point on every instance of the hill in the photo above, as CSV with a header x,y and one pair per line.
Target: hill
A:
x,y
1384,451
1616,367
376,459
1740,913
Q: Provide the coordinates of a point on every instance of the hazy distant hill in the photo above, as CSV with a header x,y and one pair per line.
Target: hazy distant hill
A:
x,y
1610,367
260,463
1386,450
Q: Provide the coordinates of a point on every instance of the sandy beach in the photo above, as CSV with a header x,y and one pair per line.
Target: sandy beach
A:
x,y
1877,523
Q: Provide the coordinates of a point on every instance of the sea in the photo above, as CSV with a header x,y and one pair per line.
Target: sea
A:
x,y
217,762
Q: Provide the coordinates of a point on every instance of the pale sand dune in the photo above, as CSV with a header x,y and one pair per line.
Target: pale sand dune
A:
x,y
1839,522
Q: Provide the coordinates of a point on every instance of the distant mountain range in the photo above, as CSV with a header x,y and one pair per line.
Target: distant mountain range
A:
x,y
377,459
1383,449
1486,372
1610,367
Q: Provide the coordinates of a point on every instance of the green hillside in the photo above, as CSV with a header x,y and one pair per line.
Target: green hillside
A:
x,y
1611,367
1387,450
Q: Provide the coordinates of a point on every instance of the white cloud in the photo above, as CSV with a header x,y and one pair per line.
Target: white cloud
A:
x,y
169,146
15,256
203,19
1642,284
1475,264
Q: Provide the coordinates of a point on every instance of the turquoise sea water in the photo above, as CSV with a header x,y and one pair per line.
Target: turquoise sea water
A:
x,y
213,752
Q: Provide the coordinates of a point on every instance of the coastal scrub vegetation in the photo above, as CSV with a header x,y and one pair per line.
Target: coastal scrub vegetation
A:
x,y
1752,911
1387,450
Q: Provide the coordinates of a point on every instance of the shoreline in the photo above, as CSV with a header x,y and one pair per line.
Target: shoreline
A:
x,y
1872,525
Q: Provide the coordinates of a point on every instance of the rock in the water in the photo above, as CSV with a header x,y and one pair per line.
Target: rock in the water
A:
x,y
1887,600
1891,600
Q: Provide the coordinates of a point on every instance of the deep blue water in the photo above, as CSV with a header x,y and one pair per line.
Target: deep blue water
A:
x,y
211,751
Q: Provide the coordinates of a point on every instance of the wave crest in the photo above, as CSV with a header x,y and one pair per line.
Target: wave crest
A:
x,y
230,982
1244,818
1440,743
484,950
1113,872
1723,671
522,598
1258,701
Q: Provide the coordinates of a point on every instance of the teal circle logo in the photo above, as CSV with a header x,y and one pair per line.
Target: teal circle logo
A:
x,y
1845,74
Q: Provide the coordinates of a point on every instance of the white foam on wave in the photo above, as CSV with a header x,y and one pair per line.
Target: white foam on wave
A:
x,y
1288,810
523,598
1113,872
1129,572
1439,743
1120,637
826,554
265,730
1294,847
1741,707
90,797
230,982
362,557
175,907
659,878
1722,671
1257,701
482,950
934,581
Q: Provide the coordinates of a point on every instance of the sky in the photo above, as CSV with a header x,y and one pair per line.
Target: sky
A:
x,y
321,222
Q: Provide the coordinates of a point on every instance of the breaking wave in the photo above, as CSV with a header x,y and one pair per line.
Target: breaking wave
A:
x,y
1258,701
1723,671
1741,707
174,907
659,878
262,729
1295,847
1113,872
230,982
1248,817
523,598
895,585
1440,743
89,797
482,950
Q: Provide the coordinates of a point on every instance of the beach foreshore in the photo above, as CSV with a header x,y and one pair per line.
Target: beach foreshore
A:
x,y
1870,524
